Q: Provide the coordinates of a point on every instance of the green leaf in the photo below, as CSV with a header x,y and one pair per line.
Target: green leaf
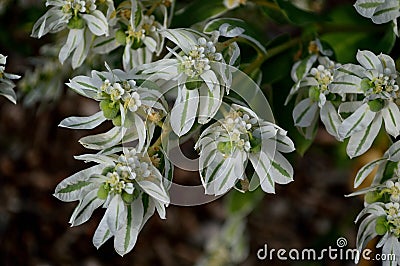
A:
x,y
243,203
357,33
196,11
296,15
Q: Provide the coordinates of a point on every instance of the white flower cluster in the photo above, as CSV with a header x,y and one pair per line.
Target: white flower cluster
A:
x,y
313,75
379,11
6,83
353,100
133,109
226,145
381,216
129,187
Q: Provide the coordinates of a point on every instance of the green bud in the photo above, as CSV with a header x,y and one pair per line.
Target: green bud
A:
x,y
120,37
225,147
372,196
110,110
102,193
376,105
193,83
313,93
381,225
76,23
127,198
255,144
117,121
365,84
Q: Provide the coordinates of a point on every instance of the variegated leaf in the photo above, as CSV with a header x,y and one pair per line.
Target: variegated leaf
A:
x,y
87,122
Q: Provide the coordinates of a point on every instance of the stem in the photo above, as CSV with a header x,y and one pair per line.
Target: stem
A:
x,y
261,58
266,4
152,8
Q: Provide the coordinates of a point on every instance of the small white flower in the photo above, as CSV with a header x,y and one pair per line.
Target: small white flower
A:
x,y
133,101
392,210
376,81
394,190
108,185
226,146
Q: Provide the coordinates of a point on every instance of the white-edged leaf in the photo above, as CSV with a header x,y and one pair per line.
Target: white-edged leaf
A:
x,y
97,158
183,114
386,12
85,86
365,171
330,117
210,101
281,170
183,38
7,91
116,214
391,116
96,22
262,166
102,233
346,84
225,177
154,190
75,36
87,122
103,140
361,141
356,122
70,189
305,112
393,153
367,8
369,60
85,208
82,50
125,238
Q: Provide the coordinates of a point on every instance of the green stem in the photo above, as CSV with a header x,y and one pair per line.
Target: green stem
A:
x,y
266,4
261,57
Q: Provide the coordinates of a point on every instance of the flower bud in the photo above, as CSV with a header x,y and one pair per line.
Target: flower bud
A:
x,y
109,109
376,105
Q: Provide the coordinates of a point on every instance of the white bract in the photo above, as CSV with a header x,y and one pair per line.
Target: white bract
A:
x,y
129,186
374,86
6,83
380,219
199,72
137,31
312,91
133,108
84,21
379,11
226,146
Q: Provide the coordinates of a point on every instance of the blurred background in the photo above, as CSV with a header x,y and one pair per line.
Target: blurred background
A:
x,y
35,155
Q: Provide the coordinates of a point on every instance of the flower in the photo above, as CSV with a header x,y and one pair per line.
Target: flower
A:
x,y
129,186
226,145
312,90
200,72
133,108
6,83
376,223
83,19
137,31
374,86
